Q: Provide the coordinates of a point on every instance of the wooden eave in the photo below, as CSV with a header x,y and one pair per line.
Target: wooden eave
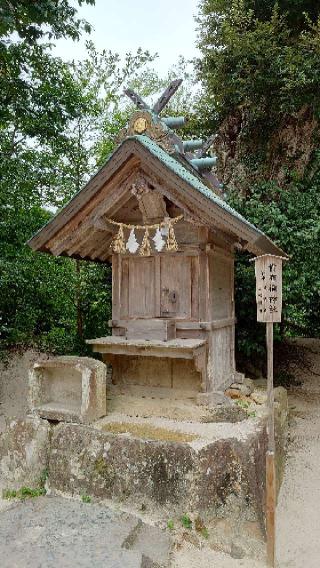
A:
x,y
77,230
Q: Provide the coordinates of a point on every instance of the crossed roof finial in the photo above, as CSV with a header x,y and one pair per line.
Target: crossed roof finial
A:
x,y
161,102
194,151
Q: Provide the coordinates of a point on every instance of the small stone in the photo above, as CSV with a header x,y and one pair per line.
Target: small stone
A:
x,y
243,388
249,383
231,413
261,383
236,551
259,397
233,393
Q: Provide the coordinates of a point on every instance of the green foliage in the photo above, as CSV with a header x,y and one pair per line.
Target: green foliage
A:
x,y
170,524
85,498
34,20
260,67
58,121
255,58
201,528
23,493
9,493
291,217
186,521
242,403
43,477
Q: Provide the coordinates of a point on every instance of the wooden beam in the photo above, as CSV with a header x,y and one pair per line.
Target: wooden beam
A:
x,y
84,202
88,247
136,99
60,245
79,242
166,96
103,248
270,456
152,207
205,146
115,200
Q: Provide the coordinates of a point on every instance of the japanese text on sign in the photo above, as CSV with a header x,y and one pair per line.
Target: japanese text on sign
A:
x,y
268,270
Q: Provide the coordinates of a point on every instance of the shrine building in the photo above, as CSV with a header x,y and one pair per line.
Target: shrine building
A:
x,y
156,212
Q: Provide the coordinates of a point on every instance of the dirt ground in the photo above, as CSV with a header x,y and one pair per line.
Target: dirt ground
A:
x,y
298,512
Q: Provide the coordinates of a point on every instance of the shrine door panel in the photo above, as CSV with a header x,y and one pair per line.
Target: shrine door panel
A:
x,y
176,293
141,287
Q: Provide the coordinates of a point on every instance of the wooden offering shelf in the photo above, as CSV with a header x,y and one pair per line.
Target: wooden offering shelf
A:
x,y
195,349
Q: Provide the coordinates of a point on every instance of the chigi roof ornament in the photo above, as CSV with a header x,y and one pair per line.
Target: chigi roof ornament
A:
x,y
162,129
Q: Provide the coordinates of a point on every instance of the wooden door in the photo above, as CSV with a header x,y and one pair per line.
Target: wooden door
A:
x,y
141,287
175,274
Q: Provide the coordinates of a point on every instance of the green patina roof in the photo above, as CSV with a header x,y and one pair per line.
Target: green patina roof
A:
x,y
179,169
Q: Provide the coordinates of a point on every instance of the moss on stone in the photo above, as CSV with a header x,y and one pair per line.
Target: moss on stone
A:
x,y
148,432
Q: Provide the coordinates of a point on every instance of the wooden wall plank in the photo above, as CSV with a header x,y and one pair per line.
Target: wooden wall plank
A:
x,y
142,287
124,293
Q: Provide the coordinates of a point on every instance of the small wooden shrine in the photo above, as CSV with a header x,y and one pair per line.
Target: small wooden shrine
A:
x,y
156,211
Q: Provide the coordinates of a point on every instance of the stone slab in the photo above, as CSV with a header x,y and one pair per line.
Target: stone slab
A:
x,y
52,532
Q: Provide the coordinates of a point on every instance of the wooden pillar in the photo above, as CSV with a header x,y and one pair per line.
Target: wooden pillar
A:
x,y
270,456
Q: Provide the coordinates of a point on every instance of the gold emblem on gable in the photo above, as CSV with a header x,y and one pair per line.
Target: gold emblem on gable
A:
x,y
140,125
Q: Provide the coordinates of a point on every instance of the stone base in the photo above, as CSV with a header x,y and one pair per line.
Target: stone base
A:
x,y
167,467
69,389
24,452
220,478
213,469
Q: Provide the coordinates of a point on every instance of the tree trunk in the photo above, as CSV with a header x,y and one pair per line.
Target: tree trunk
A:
x,y
78,302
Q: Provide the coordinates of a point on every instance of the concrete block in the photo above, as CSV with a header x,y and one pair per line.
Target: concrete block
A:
x,y
69,389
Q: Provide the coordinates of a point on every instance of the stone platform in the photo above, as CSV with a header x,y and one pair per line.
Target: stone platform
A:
x,y
167,457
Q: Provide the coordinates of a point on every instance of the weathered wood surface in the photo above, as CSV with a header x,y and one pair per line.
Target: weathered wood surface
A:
x,y
221,286
163,285
183,347
160,372
166,96
175,287
141,287
127,157
268,269
174,344
157,329
136,99
270,508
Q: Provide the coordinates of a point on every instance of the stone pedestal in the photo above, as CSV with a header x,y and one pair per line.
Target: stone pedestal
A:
x,y
68,389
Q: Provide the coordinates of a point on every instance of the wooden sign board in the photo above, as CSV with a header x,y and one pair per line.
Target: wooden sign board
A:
x,y
268,269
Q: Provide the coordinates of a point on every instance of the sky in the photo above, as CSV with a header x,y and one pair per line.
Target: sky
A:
x,y
165,26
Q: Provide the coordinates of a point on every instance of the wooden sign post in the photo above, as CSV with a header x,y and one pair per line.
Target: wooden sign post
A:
x,y
268,270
